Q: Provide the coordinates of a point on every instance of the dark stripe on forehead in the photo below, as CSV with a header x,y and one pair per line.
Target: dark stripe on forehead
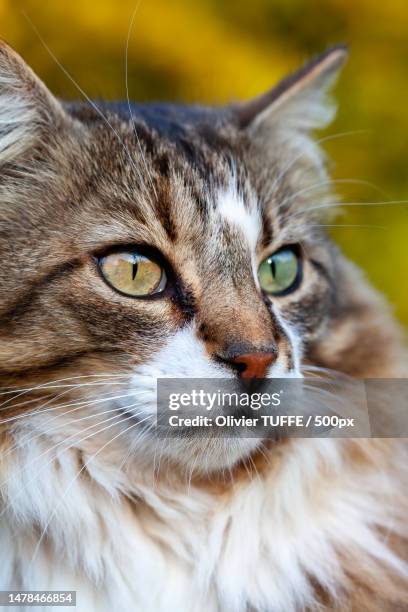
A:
x,y
164,209
179,137
145,138
215,139
194,155
163,165
195,189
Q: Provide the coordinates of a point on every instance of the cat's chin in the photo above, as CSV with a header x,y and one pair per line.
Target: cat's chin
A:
x,y
211,455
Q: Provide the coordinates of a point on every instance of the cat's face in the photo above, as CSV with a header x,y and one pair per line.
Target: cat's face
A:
x,y
160,242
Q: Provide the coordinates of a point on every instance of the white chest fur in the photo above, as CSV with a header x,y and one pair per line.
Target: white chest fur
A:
x,y
190,550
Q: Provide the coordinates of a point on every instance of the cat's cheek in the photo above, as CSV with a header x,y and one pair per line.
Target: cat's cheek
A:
x,y
183,355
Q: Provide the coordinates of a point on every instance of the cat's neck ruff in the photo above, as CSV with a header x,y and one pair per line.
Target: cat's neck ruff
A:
x,y
317,516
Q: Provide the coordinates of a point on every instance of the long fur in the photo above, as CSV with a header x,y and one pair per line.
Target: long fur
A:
x,y
91,499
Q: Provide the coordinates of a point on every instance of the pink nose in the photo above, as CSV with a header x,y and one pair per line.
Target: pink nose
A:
x,y
256,364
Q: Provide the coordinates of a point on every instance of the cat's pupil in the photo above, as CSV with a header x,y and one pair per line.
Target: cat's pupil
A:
x,y
273,266
135,266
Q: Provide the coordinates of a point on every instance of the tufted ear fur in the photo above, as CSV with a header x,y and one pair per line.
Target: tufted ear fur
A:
x,y
27,108
299,102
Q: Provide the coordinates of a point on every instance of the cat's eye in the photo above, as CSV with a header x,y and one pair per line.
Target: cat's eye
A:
x,y
132,273
279,273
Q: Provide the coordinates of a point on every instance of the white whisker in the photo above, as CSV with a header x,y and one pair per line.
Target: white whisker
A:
x,y
91,102
79,406
329,205
297,158
49,384
68,389
327,183
128,100
52,408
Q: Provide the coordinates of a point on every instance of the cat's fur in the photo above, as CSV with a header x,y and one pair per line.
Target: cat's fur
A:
x,y
130,523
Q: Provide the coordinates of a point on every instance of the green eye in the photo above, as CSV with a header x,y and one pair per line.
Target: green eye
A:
x,y
279,273
133,274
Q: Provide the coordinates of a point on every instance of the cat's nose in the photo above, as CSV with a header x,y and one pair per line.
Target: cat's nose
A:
x,y
252,365
255,365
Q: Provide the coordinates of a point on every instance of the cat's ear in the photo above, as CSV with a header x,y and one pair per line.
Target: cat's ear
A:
x,y
300,101
27,108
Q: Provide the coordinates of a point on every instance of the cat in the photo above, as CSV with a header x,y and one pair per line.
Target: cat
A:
x,y
141,241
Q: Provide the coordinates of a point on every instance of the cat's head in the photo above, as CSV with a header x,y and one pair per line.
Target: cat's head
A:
x,y
146,241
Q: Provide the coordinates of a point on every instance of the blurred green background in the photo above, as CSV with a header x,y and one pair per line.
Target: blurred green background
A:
x,y
214,51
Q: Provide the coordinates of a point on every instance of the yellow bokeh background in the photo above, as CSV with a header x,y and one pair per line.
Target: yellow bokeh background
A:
x,y
220,50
